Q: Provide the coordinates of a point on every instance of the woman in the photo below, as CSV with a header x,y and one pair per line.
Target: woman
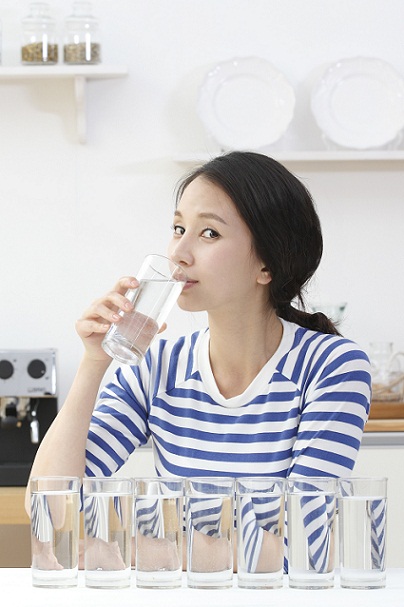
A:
x,y
266,389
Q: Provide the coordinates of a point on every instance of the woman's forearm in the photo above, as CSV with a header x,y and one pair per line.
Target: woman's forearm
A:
x,y
62,450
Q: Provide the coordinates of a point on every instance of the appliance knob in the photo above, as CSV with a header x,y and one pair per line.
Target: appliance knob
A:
x,y
6,369
36,368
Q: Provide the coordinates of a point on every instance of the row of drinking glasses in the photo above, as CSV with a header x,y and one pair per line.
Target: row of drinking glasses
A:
x,y
140,523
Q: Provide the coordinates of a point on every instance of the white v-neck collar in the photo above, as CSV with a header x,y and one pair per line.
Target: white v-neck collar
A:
x,y
259,381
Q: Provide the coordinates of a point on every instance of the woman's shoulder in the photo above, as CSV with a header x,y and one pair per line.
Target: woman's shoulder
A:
x,y
321,344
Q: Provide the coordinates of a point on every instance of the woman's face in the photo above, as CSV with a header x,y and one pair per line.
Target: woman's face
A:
x,y
214,246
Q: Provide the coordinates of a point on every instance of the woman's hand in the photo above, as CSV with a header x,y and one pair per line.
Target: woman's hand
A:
x,y
43,556
155,554
210,554
97,319
100,554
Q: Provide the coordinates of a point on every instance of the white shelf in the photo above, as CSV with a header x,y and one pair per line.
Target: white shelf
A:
x,y
313,156
78,73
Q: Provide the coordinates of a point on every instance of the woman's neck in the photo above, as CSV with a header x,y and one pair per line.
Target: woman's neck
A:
x,y
239,350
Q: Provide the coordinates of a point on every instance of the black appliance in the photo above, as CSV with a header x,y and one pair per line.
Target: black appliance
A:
x,y
28,405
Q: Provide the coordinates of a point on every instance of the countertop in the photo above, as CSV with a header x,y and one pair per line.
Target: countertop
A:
x,y
16,586
385,426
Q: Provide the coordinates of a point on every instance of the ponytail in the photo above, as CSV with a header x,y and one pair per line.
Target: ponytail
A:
x,y
316,322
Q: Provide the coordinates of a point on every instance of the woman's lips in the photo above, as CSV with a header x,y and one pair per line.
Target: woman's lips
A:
x,y
189,284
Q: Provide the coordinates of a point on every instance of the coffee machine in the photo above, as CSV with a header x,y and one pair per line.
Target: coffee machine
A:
x,y
28,405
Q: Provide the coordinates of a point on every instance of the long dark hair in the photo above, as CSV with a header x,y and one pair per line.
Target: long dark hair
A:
x,y
280,214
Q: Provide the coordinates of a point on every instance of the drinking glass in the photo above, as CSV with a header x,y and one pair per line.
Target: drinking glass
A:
x,y
108,508
311,509
260,539
159,514
55,505
209,530
362,513
160,284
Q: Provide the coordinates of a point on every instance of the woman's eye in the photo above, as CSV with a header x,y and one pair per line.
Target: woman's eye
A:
x,y
209,233
178,230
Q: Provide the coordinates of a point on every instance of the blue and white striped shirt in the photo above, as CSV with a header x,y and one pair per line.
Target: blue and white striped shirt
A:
x,y
302,415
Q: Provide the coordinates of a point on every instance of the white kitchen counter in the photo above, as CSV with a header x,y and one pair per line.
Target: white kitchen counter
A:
x,y
16,586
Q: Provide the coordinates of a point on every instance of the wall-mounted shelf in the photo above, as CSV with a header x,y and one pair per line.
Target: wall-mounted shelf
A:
x,y
80,74
313,156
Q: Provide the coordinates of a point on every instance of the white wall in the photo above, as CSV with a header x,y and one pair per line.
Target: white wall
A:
x,y
76,217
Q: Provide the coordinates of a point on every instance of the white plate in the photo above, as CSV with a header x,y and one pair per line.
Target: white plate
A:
x,y
245,103
359,103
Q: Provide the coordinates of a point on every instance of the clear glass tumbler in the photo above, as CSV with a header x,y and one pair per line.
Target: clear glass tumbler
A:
x,y
159,515
260,507
209,531
108,510
55,506
362,516
311,513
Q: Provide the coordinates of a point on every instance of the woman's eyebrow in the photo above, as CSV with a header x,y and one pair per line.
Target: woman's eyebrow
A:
x,y
204,216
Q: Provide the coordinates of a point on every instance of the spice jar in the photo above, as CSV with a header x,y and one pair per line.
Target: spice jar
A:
x,y
82,43
39,36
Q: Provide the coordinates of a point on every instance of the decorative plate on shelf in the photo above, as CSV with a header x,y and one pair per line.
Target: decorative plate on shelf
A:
x,y
359,103
245,103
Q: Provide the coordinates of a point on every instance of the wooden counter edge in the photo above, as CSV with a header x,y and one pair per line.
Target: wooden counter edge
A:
x,y
385,425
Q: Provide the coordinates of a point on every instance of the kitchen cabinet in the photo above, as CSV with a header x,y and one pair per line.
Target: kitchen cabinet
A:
x,y
15,534
80,75
12,510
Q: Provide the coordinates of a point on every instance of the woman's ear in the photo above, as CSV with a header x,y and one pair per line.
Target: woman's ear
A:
x,y
264,277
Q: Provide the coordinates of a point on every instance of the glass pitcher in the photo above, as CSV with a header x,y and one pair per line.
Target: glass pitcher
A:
x,y
387,372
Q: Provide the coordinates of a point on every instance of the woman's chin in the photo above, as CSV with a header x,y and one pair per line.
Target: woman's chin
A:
x,y
188,306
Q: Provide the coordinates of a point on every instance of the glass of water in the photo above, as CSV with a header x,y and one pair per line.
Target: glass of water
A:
x,y
311,512
160,284
260,508
159,514
108,508
362,516
55,505
209,532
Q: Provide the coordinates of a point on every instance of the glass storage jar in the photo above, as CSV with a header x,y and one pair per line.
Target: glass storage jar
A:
x,y
39,36
387,372
82,44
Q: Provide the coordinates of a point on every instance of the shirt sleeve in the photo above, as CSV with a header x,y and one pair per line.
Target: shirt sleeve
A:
x,y
120,421
335,408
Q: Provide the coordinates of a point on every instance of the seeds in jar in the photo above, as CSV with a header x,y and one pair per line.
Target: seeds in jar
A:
x,y
82,53
37,52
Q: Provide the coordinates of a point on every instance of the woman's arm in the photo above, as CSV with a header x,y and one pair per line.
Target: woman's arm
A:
x,y
62,451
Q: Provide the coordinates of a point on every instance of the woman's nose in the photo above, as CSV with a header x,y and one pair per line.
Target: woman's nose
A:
x,y
180,252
